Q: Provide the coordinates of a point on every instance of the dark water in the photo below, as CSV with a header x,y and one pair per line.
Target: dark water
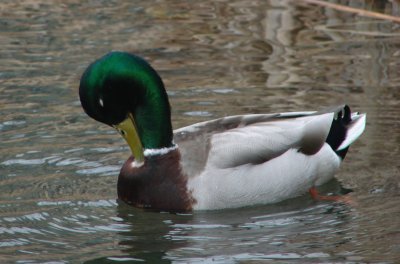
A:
x,y
58,168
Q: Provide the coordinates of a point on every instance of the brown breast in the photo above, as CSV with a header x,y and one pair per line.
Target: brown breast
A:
x,y
158,184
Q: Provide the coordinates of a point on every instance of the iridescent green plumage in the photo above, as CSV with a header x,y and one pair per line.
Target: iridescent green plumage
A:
x,y
120,83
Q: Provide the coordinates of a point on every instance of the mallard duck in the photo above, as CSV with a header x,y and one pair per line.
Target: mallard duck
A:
x,y
229,162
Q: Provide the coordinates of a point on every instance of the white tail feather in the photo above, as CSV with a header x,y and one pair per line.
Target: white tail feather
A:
x,y
354,130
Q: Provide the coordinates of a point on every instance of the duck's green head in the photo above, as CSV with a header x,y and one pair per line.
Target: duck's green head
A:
x,y
122,90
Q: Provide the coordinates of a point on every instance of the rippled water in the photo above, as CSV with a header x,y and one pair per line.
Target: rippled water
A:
x,y
58,168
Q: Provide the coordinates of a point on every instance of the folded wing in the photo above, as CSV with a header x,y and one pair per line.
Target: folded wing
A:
x,y
250,139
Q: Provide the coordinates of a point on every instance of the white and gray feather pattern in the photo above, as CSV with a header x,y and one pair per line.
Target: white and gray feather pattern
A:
x,y
254,159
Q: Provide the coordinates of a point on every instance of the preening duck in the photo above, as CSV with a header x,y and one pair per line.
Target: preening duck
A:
x,y
228,162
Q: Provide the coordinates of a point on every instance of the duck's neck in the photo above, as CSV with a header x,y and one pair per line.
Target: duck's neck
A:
x,y
154,126
153,117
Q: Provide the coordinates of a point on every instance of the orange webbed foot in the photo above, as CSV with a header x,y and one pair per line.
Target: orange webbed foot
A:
x,y
346,199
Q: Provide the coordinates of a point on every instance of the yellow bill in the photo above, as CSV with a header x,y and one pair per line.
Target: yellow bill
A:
x,y
128,131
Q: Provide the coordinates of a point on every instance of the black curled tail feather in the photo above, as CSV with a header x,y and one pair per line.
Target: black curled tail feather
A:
x,y
338,131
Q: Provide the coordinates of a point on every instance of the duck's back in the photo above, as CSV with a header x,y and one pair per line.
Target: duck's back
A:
x,y
241,160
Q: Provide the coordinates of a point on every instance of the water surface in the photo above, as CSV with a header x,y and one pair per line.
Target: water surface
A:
x,y
58,168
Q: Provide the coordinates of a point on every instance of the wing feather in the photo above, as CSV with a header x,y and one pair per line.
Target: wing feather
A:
x,y
250,139
263,141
